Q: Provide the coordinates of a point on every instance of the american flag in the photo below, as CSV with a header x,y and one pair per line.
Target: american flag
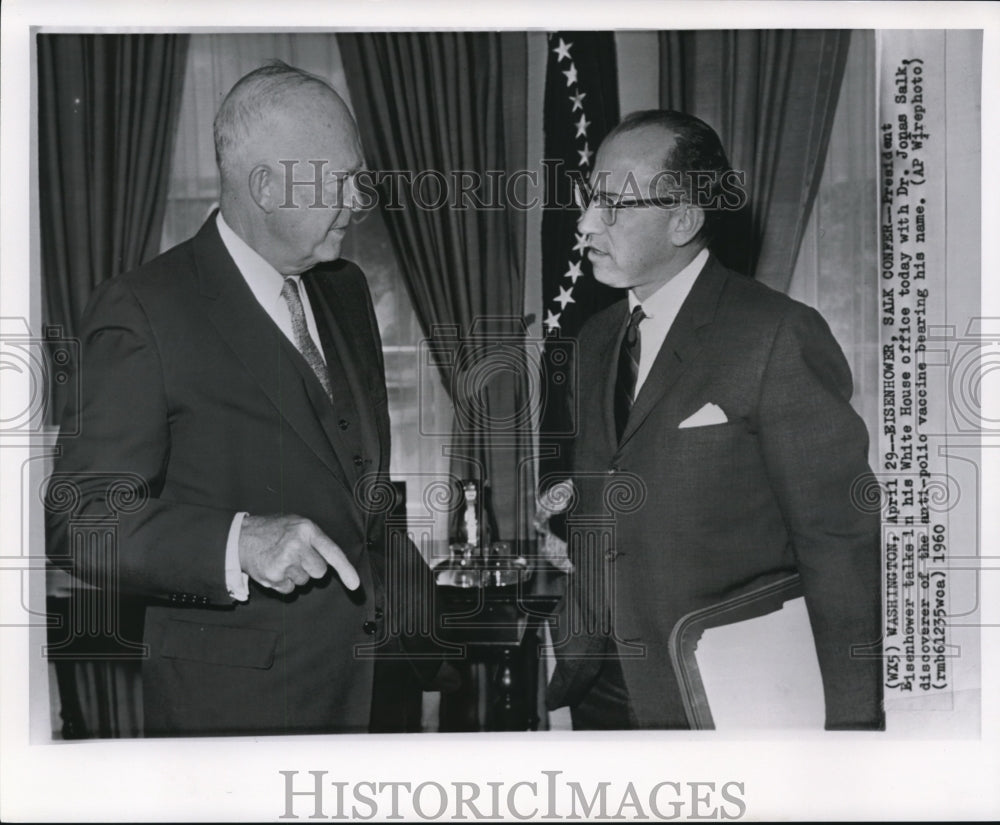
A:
x,y
581,106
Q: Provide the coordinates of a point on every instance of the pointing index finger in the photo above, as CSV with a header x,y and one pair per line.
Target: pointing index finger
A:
x,y
335,557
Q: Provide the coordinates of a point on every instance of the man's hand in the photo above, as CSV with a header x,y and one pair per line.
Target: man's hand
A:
x,y
285,552
554,500
554,551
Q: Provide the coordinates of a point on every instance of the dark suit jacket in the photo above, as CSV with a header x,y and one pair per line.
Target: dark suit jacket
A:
x,y
707,513
191,391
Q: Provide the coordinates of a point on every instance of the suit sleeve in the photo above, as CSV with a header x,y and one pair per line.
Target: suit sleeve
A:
x,y
112,474
815,449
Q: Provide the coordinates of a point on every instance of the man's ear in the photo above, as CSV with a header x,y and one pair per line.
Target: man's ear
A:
x,y
688,223
261,183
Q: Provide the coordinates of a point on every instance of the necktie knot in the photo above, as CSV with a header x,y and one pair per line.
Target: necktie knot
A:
x,y
632,331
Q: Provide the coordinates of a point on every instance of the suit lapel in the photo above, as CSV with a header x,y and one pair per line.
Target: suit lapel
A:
x,y
682,344
273,361
338,313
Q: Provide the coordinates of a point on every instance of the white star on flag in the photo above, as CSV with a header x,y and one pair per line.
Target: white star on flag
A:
x,y
585,155
582,124
570,75
581,243
552,320
573,272
577,100
562,50
564,297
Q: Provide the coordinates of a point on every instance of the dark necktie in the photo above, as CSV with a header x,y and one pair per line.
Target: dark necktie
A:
x,y
303,340
628,370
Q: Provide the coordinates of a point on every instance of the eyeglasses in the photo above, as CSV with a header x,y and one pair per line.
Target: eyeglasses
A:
x,y
607,206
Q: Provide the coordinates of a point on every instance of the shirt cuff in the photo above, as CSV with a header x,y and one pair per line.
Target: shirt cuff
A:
x,y
237,582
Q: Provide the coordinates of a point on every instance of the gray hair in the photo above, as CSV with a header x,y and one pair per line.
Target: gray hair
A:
x,y
254,97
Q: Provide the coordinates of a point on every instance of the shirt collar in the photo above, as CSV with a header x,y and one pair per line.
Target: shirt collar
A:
x,y
673,291
263,279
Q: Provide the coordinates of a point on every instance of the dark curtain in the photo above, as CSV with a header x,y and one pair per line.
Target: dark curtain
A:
x,y
434,104
771,96
107,110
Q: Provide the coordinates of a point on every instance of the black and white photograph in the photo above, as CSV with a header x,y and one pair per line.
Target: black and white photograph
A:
x,y
442,412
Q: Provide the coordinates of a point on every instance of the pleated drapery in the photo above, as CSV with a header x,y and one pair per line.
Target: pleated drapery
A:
x,y
107,110
431,107
771,96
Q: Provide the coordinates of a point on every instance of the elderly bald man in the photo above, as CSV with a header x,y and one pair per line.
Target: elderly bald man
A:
x,y
237,382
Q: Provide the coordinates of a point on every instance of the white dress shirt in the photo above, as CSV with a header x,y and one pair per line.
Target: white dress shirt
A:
x,y
661,309
265,283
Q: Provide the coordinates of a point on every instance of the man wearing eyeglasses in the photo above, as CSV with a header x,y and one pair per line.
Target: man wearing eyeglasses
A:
x,y
724,406
236,383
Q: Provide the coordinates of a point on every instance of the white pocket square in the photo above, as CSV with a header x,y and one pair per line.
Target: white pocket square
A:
x,y
707,415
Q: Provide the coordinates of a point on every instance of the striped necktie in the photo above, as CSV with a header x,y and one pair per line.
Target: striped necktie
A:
x,y
303,340
628,370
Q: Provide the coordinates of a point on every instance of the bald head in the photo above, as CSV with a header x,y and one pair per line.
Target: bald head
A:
x,y
265,108
286,143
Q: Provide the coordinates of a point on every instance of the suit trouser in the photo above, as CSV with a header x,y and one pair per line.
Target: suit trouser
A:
x,y
607,705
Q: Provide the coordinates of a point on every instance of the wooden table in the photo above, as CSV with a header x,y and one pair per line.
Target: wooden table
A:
x,y
498,627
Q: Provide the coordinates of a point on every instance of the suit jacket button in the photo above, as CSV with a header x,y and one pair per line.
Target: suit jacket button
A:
x,y
358,461
343,423
369,627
